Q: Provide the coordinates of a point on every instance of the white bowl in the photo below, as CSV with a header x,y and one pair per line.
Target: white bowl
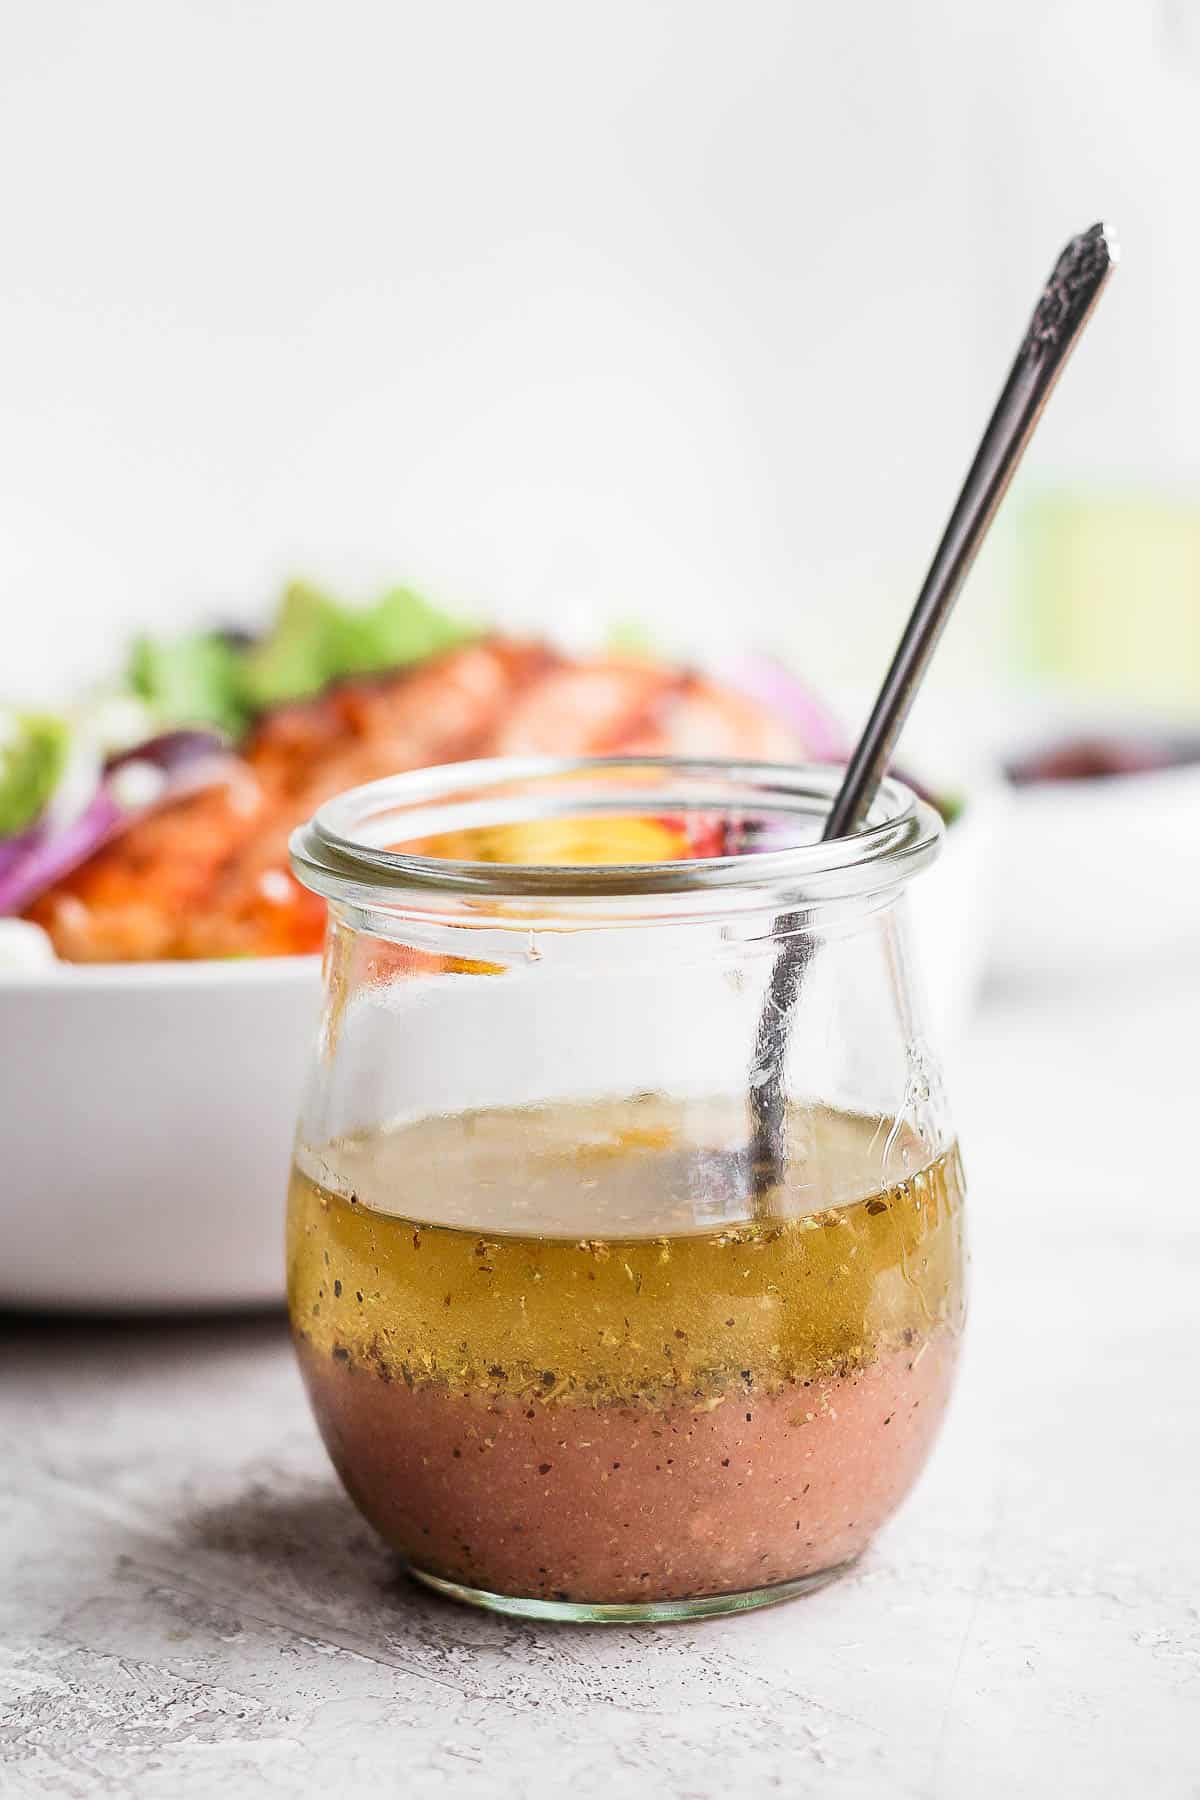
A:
x,y
146,1114
1099,872
147,1111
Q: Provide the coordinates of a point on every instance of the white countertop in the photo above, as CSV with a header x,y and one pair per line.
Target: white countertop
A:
x,y
188,1605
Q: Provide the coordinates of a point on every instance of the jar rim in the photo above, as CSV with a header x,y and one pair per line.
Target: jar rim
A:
x,y
348,850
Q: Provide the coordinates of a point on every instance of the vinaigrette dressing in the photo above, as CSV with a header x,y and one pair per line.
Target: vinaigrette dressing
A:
x,y
505,1317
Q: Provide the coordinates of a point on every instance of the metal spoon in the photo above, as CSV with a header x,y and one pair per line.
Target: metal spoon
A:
x,y
1061,313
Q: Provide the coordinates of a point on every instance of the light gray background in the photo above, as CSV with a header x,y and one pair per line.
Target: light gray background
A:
x,y
679,309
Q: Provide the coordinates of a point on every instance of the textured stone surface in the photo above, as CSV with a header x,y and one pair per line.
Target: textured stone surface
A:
x,y
188,1606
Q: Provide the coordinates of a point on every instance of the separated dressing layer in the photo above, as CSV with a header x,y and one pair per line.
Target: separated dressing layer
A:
x,y
559,1353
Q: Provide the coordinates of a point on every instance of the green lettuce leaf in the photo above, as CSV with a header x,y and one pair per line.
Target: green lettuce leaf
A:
x,y
189,680
33,752
206,678
400,628
293,661
315,640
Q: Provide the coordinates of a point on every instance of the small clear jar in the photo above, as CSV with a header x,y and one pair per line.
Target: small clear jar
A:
x,y
576,1350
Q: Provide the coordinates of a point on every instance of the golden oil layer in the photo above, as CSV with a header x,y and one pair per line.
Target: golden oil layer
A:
x,y
755,1303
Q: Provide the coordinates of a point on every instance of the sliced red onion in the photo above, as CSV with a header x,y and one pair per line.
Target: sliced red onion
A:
x,y
12,849
133,784
763,679
824,740
54,854
176,753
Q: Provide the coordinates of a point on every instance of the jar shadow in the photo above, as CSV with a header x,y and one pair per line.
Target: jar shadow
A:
x,y
308,1562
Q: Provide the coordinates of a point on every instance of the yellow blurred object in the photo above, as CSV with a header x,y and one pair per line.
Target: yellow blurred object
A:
x,y
1110,603
566,842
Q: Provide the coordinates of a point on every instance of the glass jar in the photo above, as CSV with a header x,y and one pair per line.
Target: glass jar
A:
x,y
625,1253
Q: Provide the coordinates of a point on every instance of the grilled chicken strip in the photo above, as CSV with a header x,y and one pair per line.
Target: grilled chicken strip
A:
x,y
208,876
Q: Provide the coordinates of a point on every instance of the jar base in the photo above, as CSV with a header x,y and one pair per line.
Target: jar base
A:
x,y
633,1612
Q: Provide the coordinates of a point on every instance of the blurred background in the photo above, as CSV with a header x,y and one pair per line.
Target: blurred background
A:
x,y
680,313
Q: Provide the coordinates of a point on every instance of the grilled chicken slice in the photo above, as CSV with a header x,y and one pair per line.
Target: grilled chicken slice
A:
x,y
208,876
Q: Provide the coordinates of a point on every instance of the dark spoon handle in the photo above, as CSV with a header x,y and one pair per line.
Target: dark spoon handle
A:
x,y
1060,315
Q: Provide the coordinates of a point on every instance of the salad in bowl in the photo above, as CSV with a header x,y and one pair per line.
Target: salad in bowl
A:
x,y
159,964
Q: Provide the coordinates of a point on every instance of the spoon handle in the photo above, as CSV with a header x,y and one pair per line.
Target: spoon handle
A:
x,y
1059,318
